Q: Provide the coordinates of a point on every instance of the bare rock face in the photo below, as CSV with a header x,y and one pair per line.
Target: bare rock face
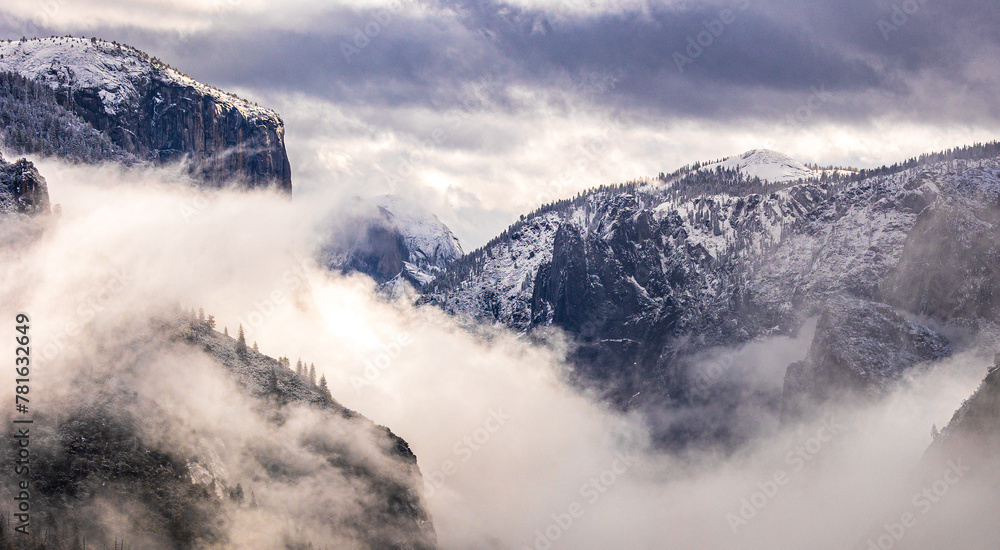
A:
x,y
860,348
950,266
155,112
22,189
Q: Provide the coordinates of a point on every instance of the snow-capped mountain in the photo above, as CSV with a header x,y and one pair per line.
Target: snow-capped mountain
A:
x,y
767,165
430,243
154,111
392,240
646,278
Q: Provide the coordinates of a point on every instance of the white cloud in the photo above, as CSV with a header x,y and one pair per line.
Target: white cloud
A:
x,y
479,168
181,16
509,448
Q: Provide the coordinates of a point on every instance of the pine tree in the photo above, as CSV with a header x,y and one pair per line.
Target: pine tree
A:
x,y
241,342
255,347
201,315
298,368
312,374
210,322
324,388
237,494
272,382
225,330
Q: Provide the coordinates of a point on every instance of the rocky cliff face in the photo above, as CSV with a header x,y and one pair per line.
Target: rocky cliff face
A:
x,y
155,112
860,349
22,189
645,277
950,266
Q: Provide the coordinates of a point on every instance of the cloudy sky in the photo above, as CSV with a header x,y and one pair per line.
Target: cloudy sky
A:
x,y
482,110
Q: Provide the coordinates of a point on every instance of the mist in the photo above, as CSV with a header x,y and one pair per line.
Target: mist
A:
x,y
512,455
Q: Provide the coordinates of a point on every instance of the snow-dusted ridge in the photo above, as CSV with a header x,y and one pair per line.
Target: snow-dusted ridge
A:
x,y
390,239
429,241
70,64
646,276
155,112
767,165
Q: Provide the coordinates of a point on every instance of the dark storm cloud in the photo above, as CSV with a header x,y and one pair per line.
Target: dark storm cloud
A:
x,y
755,59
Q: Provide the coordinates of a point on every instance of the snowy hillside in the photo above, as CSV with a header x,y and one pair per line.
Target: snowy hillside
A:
x,y
647,278
22,189
429,241
155,112
767,165
117,71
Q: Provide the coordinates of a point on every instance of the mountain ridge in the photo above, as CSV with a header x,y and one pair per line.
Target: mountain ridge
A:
x,y
154,111
644,277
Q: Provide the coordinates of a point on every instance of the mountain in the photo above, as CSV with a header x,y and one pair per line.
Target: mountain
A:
x,y
22,189
32,121
648,277
154,112
860,349
767,165
125,456
392,240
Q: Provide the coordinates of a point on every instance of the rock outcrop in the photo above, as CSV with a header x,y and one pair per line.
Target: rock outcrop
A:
x,y
859,349
22,189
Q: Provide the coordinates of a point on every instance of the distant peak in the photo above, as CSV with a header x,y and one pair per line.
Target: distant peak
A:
x,y
767,165
766,156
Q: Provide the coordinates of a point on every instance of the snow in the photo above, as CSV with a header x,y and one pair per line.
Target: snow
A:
x,y
508,274
118,73
430,242
806,242
767,165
